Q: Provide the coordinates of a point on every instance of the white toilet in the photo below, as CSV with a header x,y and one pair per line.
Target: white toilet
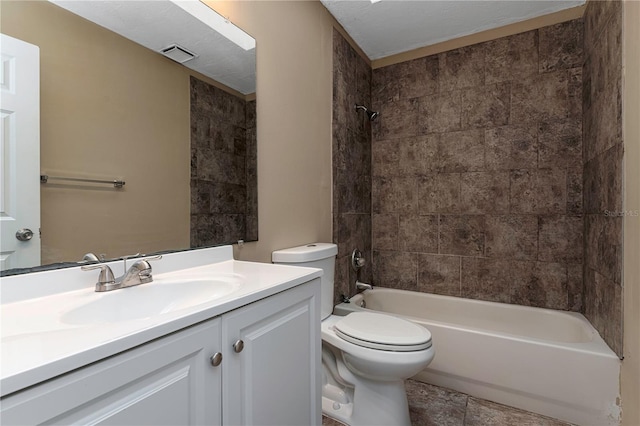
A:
x,y
365,356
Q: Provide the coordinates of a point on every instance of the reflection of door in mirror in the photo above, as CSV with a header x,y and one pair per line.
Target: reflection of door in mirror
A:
x,y
19,145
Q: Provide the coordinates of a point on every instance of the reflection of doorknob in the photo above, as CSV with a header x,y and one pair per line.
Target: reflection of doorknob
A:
x,y
24,234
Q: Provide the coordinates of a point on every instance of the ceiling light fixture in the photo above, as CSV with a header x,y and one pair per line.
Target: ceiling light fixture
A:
x,y
375,1
219,23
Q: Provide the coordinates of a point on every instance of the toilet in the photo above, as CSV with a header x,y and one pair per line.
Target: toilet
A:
x,y
366,356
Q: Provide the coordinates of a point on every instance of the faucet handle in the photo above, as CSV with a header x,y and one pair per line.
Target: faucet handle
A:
x,y
106,274
142,259
145,261
357,260
157,257
143,268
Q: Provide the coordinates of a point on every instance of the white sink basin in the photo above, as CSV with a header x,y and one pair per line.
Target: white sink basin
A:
x,y
147,300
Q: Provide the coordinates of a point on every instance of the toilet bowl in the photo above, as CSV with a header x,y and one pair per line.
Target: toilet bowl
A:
x,y
365,356
368,377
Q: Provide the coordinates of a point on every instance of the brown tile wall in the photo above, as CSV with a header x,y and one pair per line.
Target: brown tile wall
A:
x,y
223,167
603,151
251,220
477,171
351,164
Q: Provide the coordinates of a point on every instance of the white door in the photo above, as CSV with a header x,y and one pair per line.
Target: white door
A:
x,y
19,154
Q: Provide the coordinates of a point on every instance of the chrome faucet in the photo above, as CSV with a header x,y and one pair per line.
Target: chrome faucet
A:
x,y
357,262
139,273
363,286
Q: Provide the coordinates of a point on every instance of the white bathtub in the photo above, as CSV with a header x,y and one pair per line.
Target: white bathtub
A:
x,y
545,361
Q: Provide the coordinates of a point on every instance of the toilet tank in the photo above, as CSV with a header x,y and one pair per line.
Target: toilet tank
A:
x,y
315,255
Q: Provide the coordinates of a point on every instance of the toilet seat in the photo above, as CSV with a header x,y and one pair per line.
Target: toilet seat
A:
x,y
382,332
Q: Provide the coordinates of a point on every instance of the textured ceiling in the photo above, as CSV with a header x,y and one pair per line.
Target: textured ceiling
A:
x,y
394,26
156,24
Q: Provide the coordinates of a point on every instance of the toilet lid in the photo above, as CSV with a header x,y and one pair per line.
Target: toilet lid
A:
x,y
385,332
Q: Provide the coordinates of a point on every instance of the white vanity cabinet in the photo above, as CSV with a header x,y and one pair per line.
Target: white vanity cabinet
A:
x,y
268,374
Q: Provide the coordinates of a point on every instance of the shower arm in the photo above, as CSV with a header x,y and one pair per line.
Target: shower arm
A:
x,y
371,114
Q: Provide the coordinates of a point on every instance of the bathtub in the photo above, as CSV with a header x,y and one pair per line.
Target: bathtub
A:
x,y
545,361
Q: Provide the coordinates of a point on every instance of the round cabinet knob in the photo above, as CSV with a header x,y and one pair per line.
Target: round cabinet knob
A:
x,y
238,346
216,359
24,234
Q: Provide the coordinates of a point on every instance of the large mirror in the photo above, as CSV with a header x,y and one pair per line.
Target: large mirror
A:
x,y
181,136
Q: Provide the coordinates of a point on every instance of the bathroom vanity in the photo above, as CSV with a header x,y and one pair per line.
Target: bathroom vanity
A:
x,y
246,354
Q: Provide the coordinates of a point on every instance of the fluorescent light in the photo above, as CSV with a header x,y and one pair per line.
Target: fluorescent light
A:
x,y
375,1
213,19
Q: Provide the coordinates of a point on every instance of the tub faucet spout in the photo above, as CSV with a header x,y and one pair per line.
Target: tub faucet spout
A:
x,y
363,286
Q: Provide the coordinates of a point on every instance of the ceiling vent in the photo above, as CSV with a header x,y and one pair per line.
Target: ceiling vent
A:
x,y
178,53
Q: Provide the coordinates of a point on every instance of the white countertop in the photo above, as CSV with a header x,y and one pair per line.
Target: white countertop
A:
x,y
38,344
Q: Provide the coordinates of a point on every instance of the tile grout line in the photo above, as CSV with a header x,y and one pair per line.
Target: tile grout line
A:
x,y
466,409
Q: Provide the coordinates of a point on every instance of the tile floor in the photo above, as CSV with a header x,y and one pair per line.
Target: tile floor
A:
x,y
435,406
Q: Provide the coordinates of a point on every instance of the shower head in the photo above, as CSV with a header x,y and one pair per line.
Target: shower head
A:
x,y
371,114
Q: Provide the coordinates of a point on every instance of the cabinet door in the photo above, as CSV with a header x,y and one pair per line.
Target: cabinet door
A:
x,y
169,381
275,379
